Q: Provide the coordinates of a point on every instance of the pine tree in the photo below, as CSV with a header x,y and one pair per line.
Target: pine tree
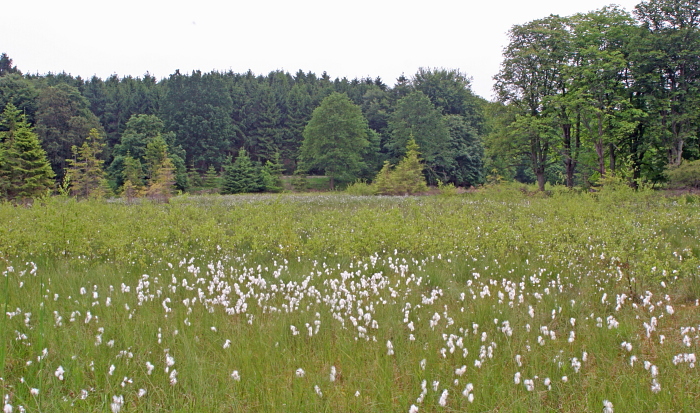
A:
x,y
408,174
241,176
25,171
85,172
271,174
211,179
384,180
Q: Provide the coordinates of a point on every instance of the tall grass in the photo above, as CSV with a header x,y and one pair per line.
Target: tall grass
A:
x,y
473,289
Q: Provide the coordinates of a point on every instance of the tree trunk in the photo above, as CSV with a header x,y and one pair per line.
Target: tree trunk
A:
x,y
613,158
600,151
569,163
540,181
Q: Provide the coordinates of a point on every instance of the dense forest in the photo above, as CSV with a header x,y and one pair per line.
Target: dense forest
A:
x,y
603,93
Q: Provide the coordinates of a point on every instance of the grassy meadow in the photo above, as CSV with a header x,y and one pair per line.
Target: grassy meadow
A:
x,y
495,301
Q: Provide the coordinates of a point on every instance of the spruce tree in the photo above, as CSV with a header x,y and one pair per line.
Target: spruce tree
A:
x,y
271,174
241,176
408,175
25,171
383,182
211,179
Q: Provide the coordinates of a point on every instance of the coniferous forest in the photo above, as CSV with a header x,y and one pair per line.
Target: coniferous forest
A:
x,y
580,98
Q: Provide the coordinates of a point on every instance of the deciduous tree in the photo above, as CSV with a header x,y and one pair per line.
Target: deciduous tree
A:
x,y
335,138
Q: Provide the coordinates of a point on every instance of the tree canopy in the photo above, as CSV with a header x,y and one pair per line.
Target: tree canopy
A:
x,y
334,138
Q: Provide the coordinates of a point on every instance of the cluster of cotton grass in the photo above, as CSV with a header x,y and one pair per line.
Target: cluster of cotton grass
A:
x,y
455,321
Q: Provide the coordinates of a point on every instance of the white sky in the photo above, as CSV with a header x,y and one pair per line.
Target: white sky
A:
x,y
347,39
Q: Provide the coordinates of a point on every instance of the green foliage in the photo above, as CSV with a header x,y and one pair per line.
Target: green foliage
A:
x,y
241,176
211,179
21,92
6,66
335,138
361,188
500,253
162,183
197,109
133,173
63,120
417,118
85,173
271,174
24,169
687,175
300,181
406,179
448,189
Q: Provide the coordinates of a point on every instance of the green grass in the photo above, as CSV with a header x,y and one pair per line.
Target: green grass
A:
x,y
181,279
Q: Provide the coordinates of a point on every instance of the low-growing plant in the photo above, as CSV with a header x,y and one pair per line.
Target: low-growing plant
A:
x,y
686,175
360,188
492,301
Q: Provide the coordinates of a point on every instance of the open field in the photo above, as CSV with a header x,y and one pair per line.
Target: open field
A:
x,y
488,301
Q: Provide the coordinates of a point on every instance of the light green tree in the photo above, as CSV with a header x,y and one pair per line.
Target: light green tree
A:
x,y
406,178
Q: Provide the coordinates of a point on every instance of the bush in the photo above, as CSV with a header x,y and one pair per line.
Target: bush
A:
x,y
361,188
447,189
687,175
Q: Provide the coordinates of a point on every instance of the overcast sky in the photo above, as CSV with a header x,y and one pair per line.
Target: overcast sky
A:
x,y
361,38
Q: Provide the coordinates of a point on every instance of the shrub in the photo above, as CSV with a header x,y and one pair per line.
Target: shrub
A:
x,y
687,175
361,188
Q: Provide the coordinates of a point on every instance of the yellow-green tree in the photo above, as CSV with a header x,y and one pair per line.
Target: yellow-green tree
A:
x,y
406,178
162,171
85,172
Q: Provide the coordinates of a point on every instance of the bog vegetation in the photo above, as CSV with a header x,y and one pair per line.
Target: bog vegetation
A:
x,y
501,299
575,289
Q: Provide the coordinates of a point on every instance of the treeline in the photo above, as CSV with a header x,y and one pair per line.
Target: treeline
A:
x,y
582,97
205,119
599,93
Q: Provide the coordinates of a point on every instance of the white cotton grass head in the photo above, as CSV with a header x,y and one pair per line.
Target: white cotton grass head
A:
x,y
443,398
59,372
318,391
413,409
332,374
655,386
117,402
236,376
300,372
607,406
